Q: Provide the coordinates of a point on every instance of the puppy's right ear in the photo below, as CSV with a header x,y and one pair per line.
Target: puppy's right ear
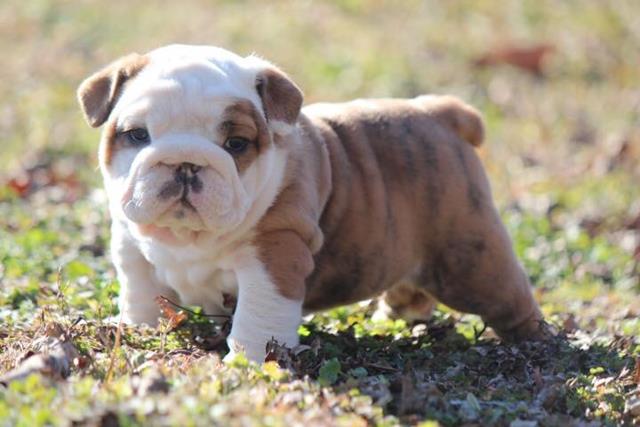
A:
x,y
98,94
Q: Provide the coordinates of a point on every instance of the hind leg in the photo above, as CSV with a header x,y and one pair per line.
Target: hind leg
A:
x,y
405,300
469,261
508,307
478,273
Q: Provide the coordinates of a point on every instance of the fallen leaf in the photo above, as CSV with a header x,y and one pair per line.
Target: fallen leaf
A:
x,y
527,58
19,185
175,318
53,357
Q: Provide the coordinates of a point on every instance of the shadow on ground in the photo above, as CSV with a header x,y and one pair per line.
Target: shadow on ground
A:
x,y
439,374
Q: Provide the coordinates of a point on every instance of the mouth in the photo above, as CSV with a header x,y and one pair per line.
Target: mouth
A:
x,y
181,211
169,235
185,203
183,198
181,214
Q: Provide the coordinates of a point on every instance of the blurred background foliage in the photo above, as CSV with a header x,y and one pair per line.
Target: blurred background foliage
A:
x,y
586,99
558,82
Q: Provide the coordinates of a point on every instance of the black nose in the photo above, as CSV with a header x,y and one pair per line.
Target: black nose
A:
x,y
186,174
187,168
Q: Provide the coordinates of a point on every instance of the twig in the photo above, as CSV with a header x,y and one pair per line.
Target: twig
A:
x,y
477,333
381,367
116,346
223,316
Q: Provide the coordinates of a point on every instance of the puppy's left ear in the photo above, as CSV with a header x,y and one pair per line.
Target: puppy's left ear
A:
x,y
98,94
281,99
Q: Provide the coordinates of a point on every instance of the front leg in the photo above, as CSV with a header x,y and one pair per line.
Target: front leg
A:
x,y
270,295
138,284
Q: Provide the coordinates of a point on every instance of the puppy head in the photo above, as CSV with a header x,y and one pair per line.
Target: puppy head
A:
x,y
191,135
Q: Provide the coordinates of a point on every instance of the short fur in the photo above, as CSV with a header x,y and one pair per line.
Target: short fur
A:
x,y
329,205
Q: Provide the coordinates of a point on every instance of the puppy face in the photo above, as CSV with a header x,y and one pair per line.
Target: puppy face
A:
x,y
190,140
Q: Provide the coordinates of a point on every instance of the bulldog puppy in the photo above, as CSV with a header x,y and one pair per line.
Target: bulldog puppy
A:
x,y
220,187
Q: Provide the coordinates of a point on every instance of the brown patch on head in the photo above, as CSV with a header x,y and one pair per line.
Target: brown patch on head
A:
x,y
110,143
281,98
107,144
98,94
241,119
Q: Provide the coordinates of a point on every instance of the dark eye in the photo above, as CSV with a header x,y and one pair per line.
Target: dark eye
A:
x,y
138,136
236,145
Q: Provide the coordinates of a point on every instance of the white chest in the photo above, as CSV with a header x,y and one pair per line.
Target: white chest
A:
x,y
195,276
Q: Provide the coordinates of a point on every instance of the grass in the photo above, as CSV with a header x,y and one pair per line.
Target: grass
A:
x,y
562,154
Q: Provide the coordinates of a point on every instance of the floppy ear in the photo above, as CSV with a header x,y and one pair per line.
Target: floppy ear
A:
x,y
98,94
281,98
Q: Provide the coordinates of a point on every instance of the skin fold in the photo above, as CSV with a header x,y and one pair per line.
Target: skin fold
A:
x,y
221,186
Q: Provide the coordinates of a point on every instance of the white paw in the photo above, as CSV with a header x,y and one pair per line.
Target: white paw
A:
x,y
252,351
140,314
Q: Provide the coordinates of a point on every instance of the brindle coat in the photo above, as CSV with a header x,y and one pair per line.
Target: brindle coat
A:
x,y
386,192
379,195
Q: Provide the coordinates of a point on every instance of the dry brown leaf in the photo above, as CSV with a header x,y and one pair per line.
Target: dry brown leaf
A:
x,y
53,356
175,318
19,185
527,58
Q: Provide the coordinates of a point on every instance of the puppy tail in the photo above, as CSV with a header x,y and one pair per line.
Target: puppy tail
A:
x,y
458,116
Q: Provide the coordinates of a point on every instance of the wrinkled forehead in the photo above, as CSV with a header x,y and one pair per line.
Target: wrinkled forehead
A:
x,y
188,84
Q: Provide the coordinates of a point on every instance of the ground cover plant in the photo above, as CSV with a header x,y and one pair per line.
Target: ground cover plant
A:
x,y
559,87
